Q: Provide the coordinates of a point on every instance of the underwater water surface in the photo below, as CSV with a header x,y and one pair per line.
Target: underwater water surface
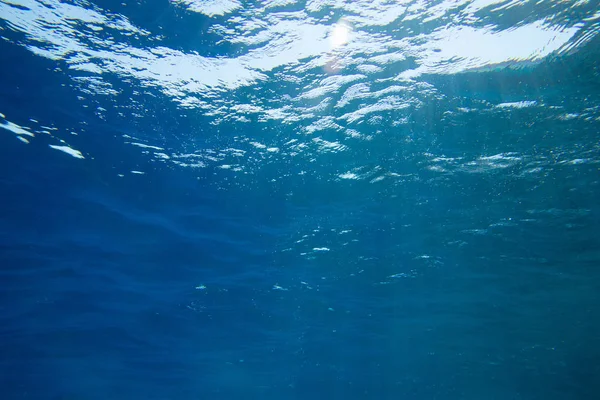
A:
x,y
227,199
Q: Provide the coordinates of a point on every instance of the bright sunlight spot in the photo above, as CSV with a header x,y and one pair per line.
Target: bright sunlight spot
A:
x,y
340,35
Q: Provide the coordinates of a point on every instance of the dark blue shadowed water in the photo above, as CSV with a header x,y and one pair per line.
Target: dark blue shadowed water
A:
x,y
284,199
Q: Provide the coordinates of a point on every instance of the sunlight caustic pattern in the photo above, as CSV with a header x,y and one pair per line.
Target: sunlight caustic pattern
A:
x,y
327,67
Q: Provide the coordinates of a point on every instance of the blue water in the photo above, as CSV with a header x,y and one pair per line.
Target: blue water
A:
x,y
221,199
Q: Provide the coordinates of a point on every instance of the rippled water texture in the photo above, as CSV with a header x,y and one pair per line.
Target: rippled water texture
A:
x,y
329,199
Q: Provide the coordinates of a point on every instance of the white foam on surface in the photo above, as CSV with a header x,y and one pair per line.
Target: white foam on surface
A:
x,y
16,129
68,150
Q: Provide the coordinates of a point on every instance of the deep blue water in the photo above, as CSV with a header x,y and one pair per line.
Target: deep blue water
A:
x,y
299,200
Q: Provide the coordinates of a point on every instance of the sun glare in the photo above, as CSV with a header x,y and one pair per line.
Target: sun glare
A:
x,y
339,35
